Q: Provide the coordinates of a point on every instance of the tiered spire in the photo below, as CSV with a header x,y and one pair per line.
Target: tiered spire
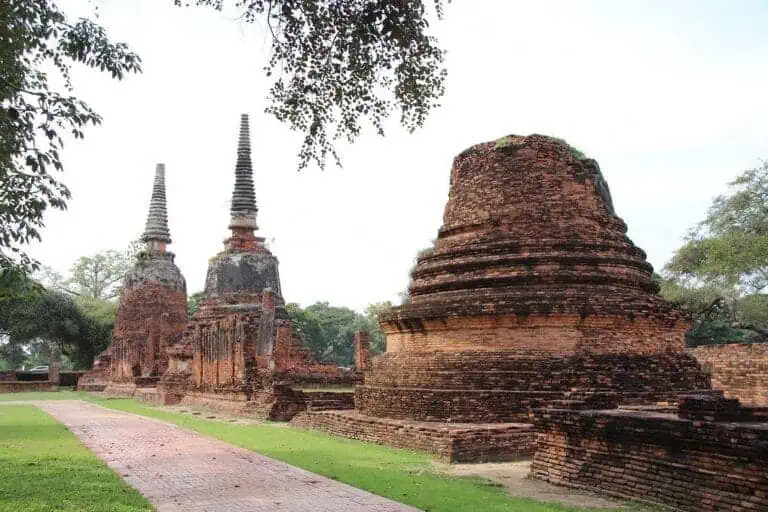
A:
x,y
243,197
157,220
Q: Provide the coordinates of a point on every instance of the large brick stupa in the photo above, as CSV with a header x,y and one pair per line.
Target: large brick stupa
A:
x,y
531,293
241,340
153,306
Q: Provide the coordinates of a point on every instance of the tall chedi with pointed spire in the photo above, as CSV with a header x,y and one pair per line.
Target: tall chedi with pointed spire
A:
x,y
245,266
153,305
230,342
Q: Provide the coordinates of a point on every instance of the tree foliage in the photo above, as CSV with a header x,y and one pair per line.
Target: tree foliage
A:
x,y
193,303
720,274
378,339
328,331
38,46
336,64
96,276
79,328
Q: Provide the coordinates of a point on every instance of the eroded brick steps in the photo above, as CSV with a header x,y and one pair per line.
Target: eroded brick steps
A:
x,y
451,442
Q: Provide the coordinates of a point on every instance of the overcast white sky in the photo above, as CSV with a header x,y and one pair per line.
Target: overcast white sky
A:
x,y
669,96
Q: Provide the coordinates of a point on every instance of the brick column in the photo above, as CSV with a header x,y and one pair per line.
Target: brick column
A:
x,y
55,368
362,350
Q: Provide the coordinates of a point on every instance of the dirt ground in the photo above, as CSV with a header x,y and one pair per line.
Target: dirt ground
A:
x,y
514,477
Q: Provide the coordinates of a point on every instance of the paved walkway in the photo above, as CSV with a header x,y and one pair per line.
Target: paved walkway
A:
x,y
179,470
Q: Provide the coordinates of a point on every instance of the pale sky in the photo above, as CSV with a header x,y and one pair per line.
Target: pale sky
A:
x,y
669,96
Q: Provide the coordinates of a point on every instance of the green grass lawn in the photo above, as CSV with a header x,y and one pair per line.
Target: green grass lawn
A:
x,y
43,467
62,394
402,475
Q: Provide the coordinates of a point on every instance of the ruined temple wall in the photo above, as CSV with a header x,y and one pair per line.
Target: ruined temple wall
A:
x,y
555,334
222,343
658,458
459,443
284,347
150,318
739,369
497,371
362,350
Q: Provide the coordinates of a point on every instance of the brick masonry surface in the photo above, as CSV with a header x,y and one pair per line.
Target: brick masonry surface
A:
x,y
531,290
18,387
741,370
178,470
657,457
457,442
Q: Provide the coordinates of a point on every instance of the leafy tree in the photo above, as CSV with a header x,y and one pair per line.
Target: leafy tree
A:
x,y
33,323
55,319
12,355
96,276
193,303
99,275
372,312
329,331
308,330
711,323
339,63
101,311
721,272
38,46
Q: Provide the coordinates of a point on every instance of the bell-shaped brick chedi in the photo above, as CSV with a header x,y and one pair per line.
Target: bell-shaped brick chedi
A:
x,y
153,301
531,292
241,338
242,315
246,265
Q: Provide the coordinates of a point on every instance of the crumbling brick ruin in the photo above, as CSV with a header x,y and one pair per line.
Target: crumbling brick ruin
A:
x,y
710,454
532,294
153,307
739,369
98,377
239,352
362,350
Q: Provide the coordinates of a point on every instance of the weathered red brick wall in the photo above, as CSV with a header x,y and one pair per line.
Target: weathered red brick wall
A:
x,y
362,350
219,358
498,386
8,376
18,387
150,318
552,334
659,458
54,372
740,370
462,443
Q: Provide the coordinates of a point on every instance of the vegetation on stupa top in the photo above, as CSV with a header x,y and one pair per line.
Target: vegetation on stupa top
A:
x,y
511,140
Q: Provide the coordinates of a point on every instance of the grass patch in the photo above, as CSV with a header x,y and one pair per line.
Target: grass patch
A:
x,y
62,394
43,467
402,475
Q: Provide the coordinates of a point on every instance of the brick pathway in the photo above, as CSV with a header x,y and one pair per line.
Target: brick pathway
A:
x,y
179,470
